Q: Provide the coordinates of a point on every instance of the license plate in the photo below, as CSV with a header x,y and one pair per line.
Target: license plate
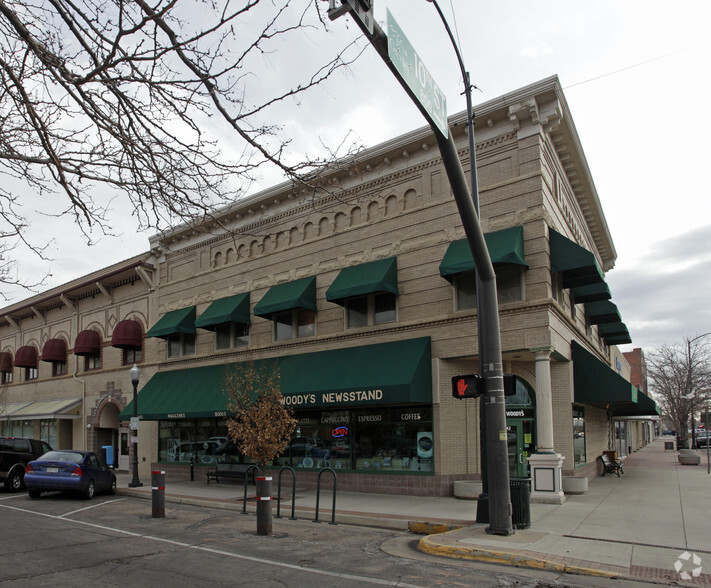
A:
x,y
52,470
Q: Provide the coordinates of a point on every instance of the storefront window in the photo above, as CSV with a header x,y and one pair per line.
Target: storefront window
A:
x,y
621,438
19,429
394,439
48,432
579,454
205,441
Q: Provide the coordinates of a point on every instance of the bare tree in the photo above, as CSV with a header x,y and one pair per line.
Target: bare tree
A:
x,y
262,425
161,104
4,395
680,376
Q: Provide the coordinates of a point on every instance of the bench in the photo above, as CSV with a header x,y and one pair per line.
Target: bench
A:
x,y
232,471
611,467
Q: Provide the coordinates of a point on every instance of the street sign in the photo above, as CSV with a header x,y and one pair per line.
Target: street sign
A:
x,y
416,75
134,423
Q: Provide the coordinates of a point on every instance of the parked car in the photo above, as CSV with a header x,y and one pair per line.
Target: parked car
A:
x,y
702,439
15,454
69,471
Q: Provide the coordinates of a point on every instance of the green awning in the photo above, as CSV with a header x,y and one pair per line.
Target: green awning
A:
x,y
366,278
182,394
504,246
386,373
591,293
173,323
602,311
233,309
577,265
615,333
648,406
288,296
397,373
618,340
597,384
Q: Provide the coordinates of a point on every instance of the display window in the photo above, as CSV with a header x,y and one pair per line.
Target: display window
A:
x,y
204,441
378,439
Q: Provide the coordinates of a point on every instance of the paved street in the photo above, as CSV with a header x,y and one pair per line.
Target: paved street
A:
x,y
113,541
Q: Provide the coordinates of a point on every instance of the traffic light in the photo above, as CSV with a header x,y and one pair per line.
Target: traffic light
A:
x,y
467,386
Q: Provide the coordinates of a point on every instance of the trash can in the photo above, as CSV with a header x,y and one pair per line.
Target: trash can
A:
x,y
108,452
520,502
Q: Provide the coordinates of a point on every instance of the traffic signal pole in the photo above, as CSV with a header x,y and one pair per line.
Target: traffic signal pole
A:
x,y
493,402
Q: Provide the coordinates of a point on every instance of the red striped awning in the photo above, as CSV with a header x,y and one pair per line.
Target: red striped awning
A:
x,y
128,334
54,350
87,343
5,361
26,356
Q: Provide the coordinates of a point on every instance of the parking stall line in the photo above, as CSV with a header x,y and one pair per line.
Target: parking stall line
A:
x,y
12,496
314,571
66,514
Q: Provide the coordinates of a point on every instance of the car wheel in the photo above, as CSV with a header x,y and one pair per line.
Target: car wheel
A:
x,y
90,489
14,482
34,492
112,490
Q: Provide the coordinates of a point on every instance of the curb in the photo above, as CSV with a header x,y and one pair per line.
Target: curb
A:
x,y
518,559
430,528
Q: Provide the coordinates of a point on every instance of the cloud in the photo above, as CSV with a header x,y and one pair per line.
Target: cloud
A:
x,y
665,295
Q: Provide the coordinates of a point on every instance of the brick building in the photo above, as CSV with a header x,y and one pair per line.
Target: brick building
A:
x,y
361,289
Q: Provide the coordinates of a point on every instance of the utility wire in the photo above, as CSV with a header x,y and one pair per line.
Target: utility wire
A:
x,y
653,59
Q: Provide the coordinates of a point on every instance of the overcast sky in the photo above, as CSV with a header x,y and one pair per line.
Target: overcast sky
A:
x,y
636,76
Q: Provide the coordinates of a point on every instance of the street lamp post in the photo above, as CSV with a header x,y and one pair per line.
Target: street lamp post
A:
x,y
135,376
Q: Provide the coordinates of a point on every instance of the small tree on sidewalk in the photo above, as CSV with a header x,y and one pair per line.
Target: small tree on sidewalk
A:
x,y
262,425
681,379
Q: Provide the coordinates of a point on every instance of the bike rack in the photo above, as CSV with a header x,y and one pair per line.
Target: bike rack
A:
x,y
293,492
318,495
246,481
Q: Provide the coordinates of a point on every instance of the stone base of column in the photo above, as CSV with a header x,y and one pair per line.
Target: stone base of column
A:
x,y
547,478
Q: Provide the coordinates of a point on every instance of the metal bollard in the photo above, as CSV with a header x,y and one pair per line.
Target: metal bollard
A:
x,y
158,494
264,505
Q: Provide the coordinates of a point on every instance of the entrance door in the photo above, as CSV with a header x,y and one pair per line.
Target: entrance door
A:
x,y
123,449
520,446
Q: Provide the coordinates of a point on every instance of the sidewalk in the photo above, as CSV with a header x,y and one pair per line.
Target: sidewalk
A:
x,y
653,523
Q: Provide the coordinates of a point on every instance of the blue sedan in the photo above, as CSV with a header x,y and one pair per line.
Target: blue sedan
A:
x,y
69,471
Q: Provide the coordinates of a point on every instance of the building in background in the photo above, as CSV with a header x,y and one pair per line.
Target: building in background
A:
x,y
65,359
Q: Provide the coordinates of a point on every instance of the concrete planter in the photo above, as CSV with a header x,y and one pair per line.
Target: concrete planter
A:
x,y
689,457
573,485
467,489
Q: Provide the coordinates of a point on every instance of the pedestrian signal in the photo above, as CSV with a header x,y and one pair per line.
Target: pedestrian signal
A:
x,y
472,386
467,386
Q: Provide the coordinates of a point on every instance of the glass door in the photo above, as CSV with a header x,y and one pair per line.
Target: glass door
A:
x,y
520,443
